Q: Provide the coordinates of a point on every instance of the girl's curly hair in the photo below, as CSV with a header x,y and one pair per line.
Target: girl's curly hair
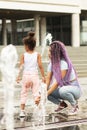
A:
x,y
30,40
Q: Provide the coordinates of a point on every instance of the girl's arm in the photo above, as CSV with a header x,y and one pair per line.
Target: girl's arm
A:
x,y
20,67
21,60
55,84
40,66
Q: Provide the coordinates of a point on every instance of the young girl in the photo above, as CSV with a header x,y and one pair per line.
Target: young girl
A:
x,y
31,61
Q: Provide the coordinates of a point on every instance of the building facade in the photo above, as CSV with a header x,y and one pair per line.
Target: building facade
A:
x,y
66,20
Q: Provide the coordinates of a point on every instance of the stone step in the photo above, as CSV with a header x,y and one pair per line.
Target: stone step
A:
x,y
77,55
82,75
81,69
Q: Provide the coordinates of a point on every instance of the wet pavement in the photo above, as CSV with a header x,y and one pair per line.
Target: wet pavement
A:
x,y
53,121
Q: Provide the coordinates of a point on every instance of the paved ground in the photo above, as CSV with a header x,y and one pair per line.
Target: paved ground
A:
x,y
53,121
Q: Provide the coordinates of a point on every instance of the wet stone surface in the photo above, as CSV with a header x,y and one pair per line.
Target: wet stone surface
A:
x,y
28,120
53,121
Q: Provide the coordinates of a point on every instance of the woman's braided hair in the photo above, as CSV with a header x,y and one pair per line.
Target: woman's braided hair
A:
x,y
58,53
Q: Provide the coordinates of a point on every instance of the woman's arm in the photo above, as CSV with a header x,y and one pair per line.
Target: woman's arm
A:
x,y
52,88
48,78
55,84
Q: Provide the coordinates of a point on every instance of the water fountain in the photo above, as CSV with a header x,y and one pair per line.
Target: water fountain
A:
x,y
8,61
37,121
39,113
48,39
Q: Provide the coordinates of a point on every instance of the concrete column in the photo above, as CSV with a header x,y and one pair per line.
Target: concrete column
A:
x,y
4,32
75,30
37,29
14,31
43,29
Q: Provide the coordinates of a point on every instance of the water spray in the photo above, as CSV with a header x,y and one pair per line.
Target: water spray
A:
x,y
48,38
8,61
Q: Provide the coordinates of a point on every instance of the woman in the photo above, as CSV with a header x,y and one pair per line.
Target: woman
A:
x,y
62,82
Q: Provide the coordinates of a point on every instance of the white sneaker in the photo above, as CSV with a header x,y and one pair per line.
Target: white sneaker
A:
x,y
74,110
3,120
22,113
